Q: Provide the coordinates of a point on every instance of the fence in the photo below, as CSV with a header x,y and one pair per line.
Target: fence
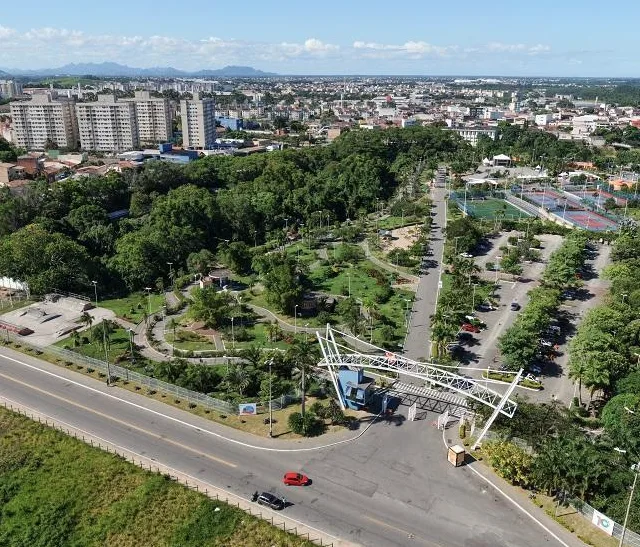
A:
x,y
288,525
123,373
630,537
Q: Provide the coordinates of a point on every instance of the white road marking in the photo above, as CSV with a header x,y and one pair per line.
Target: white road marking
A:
x,y
187,424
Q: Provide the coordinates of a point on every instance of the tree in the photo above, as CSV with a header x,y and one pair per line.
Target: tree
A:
x,y
86,319
45,260
518,347
211,306
303,356
609,204
237,379
282,287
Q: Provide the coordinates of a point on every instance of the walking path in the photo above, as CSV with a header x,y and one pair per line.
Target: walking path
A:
x,y
385,265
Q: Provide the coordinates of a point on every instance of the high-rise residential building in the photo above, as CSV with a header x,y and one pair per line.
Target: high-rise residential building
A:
x,y
107,125
198,122
44,118
10,89
154,118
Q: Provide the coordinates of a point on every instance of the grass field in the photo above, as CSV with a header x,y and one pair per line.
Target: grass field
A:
x,y
119,344
133,307
55,490
489,207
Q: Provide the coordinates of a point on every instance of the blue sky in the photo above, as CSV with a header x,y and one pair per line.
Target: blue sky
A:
x,y
494,37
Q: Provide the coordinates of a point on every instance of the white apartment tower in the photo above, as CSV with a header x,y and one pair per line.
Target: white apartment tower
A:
x,y
198,122
44,119
154,118
9,89
107,125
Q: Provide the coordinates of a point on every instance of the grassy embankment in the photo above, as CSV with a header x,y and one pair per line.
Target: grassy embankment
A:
x,y
55,490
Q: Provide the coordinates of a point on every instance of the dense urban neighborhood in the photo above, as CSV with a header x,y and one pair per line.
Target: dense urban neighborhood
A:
x,y
243,308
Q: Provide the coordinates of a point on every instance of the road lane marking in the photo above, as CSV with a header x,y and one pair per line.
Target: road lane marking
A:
x,y
409,535
157,465
187,424
121,422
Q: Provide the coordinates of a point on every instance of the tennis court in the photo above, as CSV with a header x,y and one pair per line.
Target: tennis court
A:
x,y
591,221
598,197
492,208
550,199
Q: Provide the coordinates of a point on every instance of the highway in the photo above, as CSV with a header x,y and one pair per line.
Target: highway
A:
x,y
391,487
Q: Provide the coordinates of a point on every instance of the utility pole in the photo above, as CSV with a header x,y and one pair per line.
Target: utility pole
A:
x,y
95,290
270,407
106,353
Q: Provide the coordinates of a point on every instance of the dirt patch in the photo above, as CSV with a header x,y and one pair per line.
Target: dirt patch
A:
x,y
401,238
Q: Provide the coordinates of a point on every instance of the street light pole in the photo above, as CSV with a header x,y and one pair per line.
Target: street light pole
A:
x,y
295,319
148,289
106,353
349,276
170,264
635,468
95,290
270,407
233,336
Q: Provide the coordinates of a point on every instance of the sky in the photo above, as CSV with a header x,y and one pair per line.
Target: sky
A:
x,y
412,37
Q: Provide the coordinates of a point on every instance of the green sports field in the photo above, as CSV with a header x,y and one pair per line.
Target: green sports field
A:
x,y
491,207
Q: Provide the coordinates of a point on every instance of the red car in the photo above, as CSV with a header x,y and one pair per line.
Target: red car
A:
x,y
469,327
292,478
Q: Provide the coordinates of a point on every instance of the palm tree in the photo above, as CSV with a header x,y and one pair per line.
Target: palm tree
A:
x,y
237,378
86,320
303,355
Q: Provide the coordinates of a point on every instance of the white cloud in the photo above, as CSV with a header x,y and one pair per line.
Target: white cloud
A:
x,y
25,50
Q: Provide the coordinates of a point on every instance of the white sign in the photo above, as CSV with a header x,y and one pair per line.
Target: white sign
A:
x,y
603,522
247,409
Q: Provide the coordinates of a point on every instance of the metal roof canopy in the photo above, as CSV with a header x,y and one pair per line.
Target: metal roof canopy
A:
x,y
337,355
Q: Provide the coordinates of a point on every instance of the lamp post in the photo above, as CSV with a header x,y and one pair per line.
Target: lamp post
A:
x,y
498,259
170,264
148,289
131,334
349,276
473,298
270,407
233,336
295,319
95,290
106,353
636,469
406,311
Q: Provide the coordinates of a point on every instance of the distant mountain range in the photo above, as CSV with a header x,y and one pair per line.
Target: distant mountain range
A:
x,y
115,69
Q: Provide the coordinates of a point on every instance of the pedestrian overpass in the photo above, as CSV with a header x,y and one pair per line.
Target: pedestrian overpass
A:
x,y
338,352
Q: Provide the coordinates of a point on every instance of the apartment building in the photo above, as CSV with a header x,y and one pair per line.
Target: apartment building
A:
x,y
107,125
44,118
198,122
154,118
10,89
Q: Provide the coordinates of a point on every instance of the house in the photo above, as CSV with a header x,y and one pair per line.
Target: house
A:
x,y
501,160
217,277
9,172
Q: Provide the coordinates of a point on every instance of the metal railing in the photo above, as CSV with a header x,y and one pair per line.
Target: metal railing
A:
x,y
148,382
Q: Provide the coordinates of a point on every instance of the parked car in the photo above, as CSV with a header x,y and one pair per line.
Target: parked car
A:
x,y
291,478
464,336
535,369
484,307
469,327
466,255
272,501
515,306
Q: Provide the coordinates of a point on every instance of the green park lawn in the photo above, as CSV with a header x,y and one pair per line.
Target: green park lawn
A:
x,y
133,307
393,222
60,491
259,337
119,345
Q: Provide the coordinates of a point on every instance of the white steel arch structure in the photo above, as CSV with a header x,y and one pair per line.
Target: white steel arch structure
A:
x,y
336,355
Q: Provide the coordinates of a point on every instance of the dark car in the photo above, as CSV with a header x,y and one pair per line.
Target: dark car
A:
x,y
291,478
515,306
269,500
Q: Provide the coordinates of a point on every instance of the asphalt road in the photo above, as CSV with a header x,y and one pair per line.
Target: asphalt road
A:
x,y
391,487
416,344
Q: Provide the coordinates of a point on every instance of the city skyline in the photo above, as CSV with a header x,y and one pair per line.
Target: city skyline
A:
x,y
375,38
